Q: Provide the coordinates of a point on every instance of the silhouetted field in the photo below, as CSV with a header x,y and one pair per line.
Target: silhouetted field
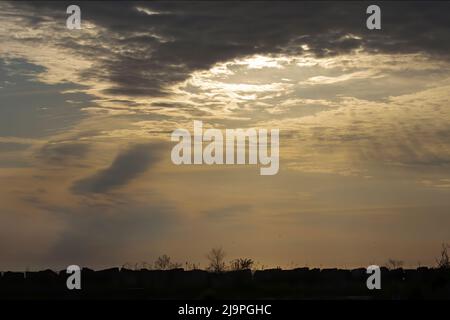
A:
x,y
302,283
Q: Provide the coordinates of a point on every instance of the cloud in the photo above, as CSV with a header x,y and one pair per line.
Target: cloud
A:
x,y
31,108
61,153
13,146
128,165
105,236
340,78
142,55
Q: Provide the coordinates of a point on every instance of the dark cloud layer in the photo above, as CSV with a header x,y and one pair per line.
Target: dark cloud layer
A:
x,y
60,153
141,53
125,167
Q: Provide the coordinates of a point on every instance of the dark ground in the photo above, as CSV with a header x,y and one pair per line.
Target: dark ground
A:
x,y
302,283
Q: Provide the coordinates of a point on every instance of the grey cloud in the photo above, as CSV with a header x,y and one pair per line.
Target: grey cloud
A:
x,y
143,54
41,109
407,150
13,146
90,235
103,235
61,153
128,165
9,154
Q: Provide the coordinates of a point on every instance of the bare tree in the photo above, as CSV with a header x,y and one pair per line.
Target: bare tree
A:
x,y
394,264
164,263
443,262
216,258
241,264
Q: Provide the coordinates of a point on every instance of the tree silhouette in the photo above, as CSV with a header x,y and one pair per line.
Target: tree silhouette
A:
x,y
216,258
241,264
164,263
443,262
394,264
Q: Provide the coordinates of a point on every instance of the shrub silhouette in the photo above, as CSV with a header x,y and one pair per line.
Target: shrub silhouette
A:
x,y
241,264
164,263
394,264
216,258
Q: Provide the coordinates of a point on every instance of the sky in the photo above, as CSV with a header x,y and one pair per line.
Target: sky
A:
x,y
86,118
